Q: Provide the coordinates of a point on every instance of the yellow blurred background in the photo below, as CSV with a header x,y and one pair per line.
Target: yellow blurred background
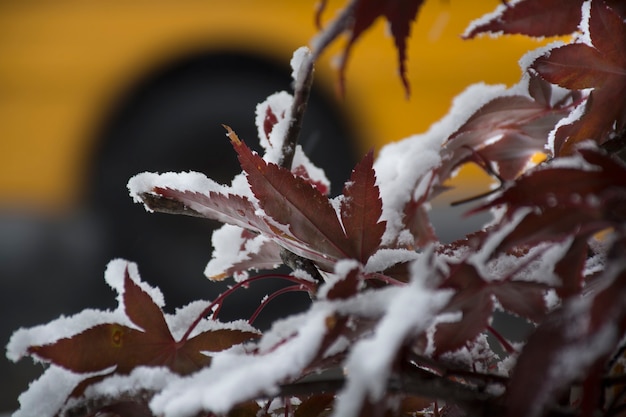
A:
x,y
92,92
64,63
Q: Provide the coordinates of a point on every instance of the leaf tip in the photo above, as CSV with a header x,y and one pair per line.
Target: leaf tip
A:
x,y
234,139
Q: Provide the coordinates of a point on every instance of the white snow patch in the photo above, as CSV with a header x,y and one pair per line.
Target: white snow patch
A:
x,y
65,327
368,366
585,32
402,167
236,377
299,62
47,395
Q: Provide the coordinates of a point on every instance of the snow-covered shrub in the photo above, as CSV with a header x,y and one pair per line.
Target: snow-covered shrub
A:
x,y
399,321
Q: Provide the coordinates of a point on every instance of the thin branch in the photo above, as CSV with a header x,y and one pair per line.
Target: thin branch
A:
x,y
302,90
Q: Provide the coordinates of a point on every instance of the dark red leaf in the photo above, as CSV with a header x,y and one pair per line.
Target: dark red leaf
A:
x,y
565,201
507,131
399,13
294,203
601,67
142,311
570,268
226,208
93,350
474,300
573,343
268,122
524,299
361,208
533,18
347,286
115,345
417,222
301,171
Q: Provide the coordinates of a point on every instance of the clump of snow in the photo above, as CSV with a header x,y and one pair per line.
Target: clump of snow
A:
x,y
234,377
47,395
116,272
300,62
370,361
230,248
401,167
184,181
280,105
140,379
272,142
585,32
386,258
492,16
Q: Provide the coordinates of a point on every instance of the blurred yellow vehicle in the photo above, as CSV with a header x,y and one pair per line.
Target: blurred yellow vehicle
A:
x,y
92,92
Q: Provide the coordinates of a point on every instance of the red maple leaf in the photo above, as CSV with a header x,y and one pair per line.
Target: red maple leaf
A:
x,y
592,199
553,356
361,208
295,204
361,14
602,67
533,18
474,298
149,344
507,131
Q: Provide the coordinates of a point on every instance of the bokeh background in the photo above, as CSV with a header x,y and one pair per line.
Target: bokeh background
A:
x,y
94,92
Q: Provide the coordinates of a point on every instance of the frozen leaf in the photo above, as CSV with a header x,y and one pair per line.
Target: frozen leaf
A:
x,y
537,18
522,298
293,202
601,66
566,200
237,250
507,131
150,343
574,342
346,285
473,298
361,209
